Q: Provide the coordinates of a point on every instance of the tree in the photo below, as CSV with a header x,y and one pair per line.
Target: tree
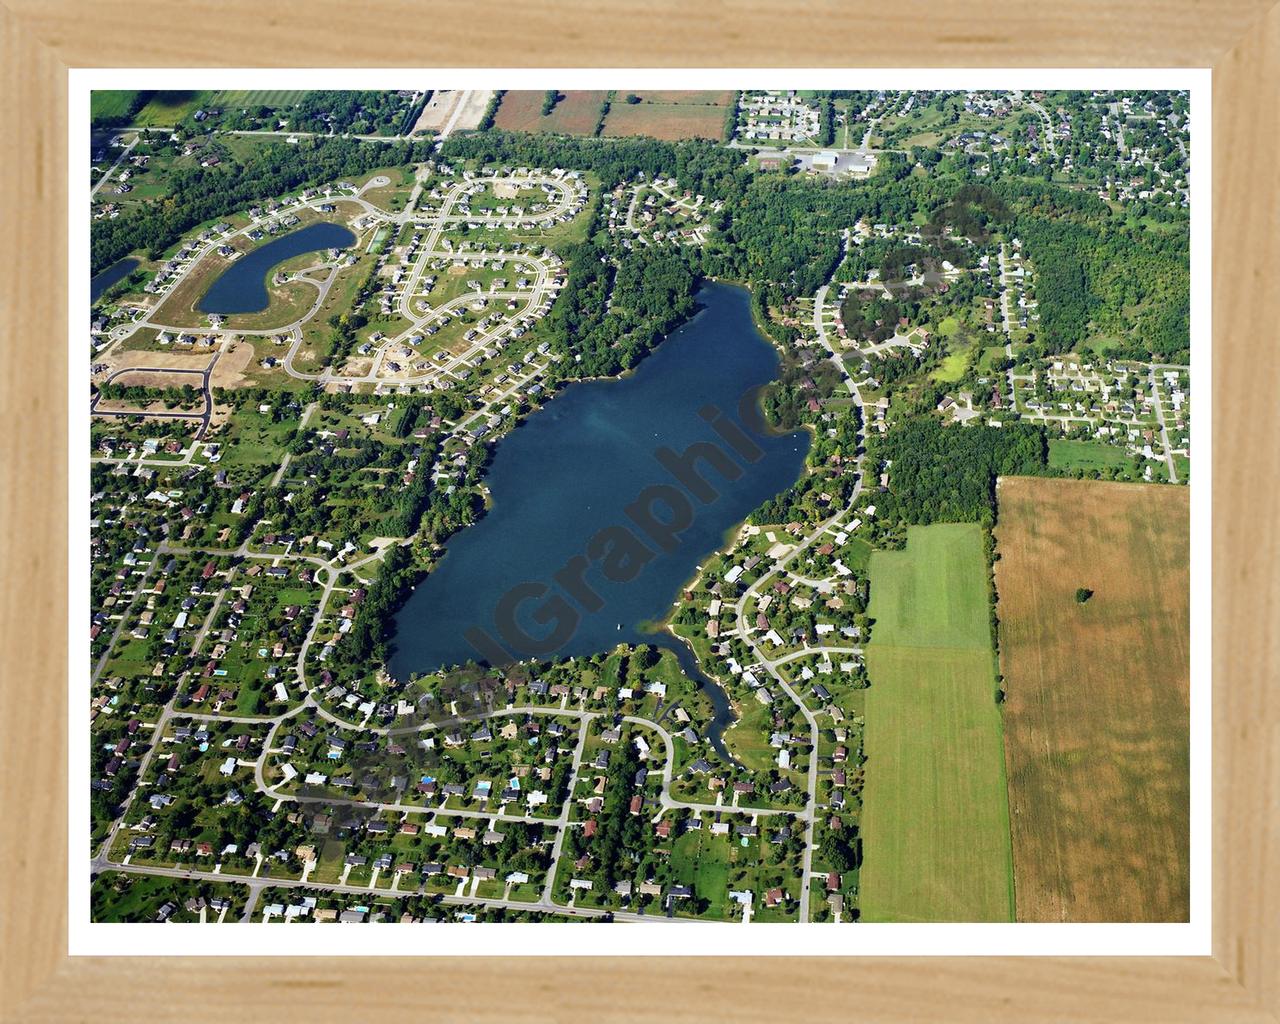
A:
x,y
1083,594
835,851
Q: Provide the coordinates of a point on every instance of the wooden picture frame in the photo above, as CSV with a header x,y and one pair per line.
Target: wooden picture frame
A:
x,y
1239,39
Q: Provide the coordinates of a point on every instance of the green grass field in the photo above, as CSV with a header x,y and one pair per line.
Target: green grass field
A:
x,y
111,102
169,108
856,554
934,592
988,357
748,738
274,98
1085,455
954,366
935,821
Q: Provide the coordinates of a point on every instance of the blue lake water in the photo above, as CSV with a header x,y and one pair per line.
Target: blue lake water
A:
x,y
572,470
114,273
242,287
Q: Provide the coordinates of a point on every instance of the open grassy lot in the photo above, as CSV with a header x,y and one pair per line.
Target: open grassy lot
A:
x,y
670,115
576,114
934,592
935,819
395,194
1064,454
1096,720
954,366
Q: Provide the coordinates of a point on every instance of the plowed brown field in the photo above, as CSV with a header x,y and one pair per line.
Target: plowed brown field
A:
x,y
1096,722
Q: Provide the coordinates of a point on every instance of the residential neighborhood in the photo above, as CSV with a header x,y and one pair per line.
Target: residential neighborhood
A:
x,y
506,509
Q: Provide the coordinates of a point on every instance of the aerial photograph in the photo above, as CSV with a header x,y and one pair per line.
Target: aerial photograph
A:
x,y
638,506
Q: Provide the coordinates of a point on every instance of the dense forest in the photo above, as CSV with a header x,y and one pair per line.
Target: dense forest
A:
x,y
366,642
1099,274
698,164
939,474
608,319
1133,285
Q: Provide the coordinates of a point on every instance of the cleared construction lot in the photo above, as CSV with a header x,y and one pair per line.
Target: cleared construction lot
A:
x,y
453,109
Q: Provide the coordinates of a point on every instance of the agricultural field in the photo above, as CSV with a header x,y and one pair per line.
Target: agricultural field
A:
x,y
576,113
112,103
670,115
935,819
170,108
1096,718
273,98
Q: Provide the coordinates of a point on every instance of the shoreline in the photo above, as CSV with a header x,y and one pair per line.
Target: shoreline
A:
x,y
658,629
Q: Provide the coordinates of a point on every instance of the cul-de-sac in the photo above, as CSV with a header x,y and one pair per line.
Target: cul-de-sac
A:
x,y
619,506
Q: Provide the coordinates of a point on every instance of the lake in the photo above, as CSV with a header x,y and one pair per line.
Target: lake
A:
x,y
113,274
242,287
571,471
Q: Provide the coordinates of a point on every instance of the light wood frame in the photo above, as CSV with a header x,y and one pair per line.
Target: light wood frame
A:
x,y
1239,39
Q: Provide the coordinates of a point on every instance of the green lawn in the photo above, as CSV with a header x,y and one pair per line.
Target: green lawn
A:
x,y
702,860
748,738
988,357
119,897
935,818
954,366
856,553
1085,455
